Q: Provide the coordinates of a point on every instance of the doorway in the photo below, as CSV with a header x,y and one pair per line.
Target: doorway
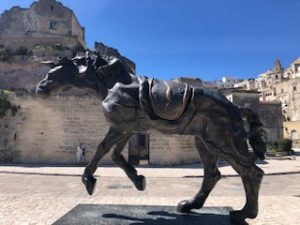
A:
x,y
138,150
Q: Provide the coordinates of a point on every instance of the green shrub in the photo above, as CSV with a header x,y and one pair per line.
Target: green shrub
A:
x,y
22,51
5,105
56,46
285,145
272,148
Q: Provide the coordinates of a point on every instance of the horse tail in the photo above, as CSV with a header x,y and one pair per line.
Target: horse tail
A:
x,y
254,135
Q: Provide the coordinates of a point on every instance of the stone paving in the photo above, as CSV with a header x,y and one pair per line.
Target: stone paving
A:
x,y
31,195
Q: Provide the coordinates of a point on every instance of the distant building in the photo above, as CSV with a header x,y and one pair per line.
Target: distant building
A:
x,y
282,85
269,112
225,82
46,22
248,84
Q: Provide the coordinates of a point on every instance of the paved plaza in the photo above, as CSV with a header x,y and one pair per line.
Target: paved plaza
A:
x,y
32,194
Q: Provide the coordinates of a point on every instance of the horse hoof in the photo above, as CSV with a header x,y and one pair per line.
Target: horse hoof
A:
x,y
140,183
184,206
89,183
238,217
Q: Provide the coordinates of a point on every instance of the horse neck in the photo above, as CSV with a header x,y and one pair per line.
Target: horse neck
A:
x,y
93,86
110,81
100,86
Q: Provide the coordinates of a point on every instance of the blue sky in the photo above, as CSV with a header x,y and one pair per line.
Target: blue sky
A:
x,y
199,38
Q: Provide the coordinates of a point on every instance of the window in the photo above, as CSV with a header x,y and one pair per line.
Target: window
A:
x,y
294,88
53,25
294,135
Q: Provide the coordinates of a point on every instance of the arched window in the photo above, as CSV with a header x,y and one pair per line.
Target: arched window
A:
x,y
294,135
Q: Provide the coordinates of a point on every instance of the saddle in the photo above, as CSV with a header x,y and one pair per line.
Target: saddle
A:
x,y
168,98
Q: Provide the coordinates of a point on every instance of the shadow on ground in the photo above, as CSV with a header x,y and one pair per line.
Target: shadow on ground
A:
x,y
143,215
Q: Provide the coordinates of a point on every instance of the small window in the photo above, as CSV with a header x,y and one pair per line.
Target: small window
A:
x,y
282,90
294,88
51,8
53,25
294,135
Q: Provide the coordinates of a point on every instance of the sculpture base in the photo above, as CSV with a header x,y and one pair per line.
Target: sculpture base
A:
x,y
143,215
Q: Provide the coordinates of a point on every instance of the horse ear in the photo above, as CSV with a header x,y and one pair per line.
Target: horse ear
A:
x,y
51,64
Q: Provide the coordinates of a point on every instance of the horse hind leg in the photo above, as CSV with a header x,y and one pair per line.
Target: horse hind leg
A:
x,y
251,177
240,160
139,181
211,177
112,137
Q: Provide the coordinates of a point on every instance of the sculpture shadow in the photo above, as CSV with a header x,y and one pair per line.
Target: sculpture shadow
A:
x,y
166,218
143,215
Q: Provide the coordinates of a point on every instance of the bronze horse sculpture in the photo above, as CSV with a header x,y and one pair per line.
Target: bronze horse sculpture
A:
x,y
132,103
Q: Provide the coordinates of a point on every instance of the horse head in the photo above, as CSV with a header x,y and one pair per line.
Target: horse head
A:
x,y
59,78
67,73
91,73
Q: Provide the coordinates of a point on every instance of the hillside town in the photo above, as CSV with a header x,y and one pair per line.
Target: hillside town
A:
x,y
24,43
175,133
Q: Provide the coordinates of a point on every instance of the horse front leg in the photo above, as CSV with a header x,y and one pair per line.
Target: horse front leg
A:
x,y
211,177
112,137
139,181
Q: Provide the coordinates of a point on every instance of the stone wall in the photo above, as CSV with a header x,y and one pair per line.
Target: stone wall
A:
x,y
49,131
21,74
46,19
8,126
291,130
271,116
270,113
172,149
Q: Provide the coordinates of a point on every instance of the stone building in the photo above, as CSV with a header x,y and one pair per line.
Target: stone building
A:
x,y
269,112
248,84
281,85
49,131
44,23
225,82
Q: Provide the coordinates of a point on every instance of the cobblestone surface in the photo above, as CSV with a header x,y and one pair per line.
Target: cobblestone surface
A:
x,y
43,199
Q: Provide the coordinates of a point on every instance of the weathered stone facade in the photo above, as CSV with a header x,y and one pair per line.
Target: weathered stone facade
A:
x,y
291,130
269,112
46,22
280,85
22,75
225,82
49,131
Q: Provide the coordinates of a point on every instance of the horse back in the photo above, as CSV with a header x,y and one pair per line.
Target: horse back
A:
x,y
164,99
